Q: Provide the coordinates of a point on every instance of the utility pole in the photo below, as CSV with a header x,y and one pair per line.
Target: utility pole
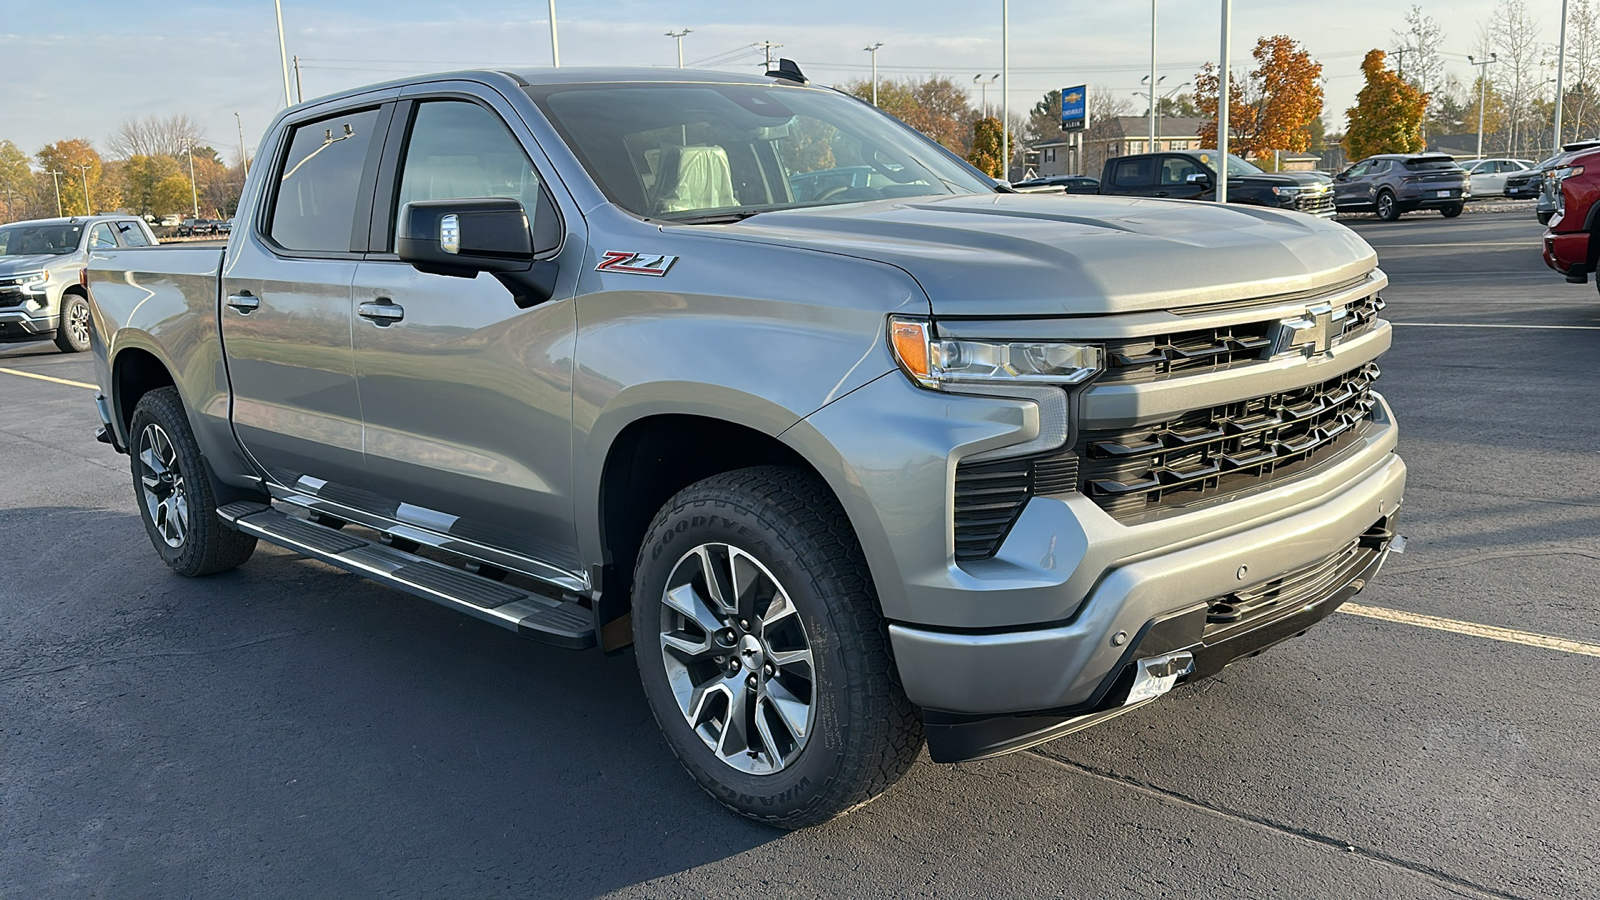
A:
x,y
242,154
1152,76
283,52
873,49
1561,56
194,189
83,173
56,177
1150,98
1222,104
769,47
1483,92
679,35
1005,90
555,47
983,87
1400,62
299,93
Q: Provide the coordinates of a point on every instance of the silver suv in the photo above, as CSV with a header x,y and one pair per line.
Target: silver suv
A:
x,y
42,292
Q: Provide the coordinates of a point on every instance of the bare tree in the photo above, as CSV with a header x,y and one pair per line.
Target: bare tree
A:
x,y
155,136
1416,50
1513,33
1583,58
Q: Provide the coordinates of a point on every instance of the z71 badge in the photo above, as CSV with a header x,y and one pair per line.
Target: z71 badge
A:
x,y
635,263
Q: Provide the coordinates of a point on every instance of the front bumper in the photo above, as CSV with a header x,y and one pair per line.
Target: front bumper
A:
x,y
17,324
1568,254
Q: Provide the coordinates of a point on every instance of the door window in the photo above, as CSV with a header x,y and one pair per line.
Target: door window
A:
x,y
460,150
132,234
1359,170
319,181
101,238
1134,172
1175,170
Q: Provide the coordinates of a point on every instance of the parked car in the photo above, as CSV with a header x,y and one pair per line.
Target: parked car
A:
x,y
225,227
913,460
42,293
1573,182
1192,175
1071,184
1525,185
1546,207
1489,176
1391,184
197,227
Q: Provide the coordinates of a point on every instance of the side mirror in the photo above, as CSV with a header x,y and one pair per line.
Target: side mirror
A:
x,y
1342,176
1198,178
461,238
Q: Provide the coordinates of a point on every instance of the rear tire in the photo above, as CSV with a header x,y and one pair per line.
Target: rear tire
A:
x,y
1388,207
1450,212
72,330
762,652
173,491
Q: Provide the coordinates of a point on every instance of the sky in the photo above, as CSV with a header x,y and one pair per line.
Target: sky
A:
x,y
211,59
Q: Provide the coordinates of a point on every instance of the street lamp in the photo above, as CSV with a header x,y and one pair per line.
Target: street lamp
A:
x,y
555,48
1483,92
983,87
1156,130
83,172
873,49
283,51
56,177
1222,103
1152,79
1005,90
679,35
194,190
1561,55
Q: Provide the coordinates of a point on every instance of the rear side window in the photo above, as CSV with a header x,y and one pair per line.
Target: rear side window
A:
x,y
319,181
132,234
1431,163
1134,172
101,238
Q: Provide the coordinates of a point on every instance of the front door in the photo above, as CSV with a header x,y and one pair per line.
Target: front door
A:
x,y
1352,188
467,398
1176,172
286,307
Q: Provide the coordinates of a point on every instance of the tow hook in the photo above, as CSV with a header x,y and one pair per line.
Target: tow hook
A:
x,y
1155,675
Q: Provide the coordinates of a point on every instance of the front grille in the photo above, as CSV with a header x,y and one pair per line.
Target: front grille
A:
x,y
990,496
1244,609
1315,204
10,298
1213,453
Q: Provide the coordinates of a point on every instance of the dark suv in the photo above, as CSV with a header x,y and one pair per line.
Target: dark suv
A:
x,y
1192,175
1393,183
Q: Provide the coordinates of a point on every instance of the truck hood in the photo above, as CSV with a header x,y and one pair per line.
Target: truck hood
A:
x,y
1051,255
1299,179
13,265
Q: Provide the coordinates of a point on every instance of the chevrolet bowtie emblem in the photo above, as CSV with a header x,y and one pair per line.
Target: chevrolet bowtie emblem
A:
x,y
1311,334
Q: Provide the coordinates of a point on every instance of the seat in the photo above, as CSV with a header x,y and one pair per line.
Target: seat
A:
x,y
693,178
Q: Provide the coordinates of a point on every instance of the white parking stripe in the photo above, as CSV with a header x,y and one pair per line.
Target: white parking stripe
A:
x,y
1473,629
1475,325
76,384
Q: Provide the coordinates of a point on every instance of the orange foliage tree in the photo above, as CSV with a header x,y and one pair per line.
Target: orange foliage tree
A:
x,y
1387,117
1273,107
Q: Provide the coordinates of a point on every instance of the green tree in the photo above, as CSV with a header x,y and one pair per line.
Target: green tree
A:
x,y
65,157
141,176
1387,117
170,195
16,178
985,153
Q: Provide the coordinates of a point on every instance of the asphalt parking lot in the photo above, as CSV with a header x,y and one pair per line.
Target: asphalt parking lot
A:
x,y
287,730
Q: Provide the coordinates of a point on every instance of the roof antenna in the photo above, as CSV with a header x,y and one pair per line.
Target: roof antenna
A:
x,y
788,71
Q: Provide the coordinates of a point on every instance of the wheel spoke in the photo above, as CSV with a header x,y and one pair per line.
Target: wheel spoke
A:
x,y
717,583
735,737
686,648
779,609
768,740
783,659
688,603
790,709
747,576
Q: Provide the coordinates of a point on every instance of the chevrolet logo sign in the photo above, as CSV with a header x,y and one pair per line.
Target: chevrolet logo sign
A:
x,y
1313,333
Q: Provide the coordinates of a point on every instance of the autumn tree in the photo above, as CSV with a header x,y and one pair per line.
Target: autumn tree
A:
x,y
1272,107
65,157
142,175
985,153
1387,117
937,107
16,178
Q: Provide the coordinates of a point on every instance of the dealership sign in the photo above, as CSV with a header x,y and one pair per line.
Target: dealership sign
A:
x,y
1075,108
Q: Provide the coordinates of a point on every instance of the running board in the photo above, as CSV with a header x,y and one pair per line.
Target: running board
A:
x,y
534,616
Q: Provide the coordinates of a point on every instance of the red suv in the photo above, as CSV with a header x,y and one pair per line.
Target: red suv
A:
x,y
1574,182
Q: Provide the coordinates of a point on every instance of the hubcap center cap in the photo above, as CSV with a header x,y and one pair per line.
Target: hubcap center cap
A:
x,y
750,653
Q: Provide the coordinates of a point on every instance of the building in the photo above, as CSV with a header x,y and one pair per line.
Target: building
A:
x,y
1085,152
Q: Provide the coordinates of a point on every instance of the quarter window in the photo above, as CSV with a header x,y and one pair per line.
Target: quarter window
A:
x,y
319,182
459,151
132,234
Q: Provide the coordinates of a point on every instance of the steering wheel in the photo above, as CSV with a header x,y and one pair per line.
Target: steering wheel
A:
x,y
832,192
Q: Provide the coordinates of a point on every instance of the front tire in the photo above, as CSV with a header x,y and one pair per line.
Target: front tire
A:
x,y
1388,207
1453,210
72,331
174,494
762,652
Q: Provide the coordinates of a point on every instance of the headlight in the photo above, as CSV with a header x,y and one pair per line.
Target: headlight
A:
x,y
1555,178
1290,192
29,282
939,363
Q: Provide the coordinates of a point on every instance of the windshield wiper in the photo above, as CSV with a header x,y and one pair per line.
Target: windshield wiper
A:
x,y
721,218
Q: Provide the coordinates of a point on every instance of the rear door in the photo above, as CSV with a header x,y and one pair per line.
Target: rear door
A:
x,y
1352,187
286,309
467,398
1135,176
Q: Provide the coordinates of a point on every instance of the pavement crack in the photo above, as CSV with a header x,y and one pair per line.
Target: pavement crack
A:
x,y
1474,558
1445,879
109,660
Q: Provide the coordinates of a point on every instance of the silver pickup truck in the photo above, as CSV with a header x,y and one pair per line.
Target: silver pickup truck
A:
x,y
857,451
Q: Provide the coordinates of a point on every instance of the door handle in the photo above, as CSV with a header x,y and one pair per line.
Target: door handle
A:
x,y
382,312
244,302
1161,193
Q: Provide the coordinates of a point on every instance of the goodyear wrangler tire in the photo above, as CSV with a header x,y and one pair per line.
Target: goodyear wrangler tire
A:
x,y
762,652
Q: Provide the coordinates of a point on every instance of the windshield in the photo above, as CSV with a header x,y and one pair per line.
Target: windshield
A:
x,y
1236,166
716,152
31,240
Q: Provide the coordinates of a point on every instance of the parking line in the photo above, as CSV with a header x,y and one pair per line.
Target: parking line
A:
x,y
1475,325
76,384
1473,629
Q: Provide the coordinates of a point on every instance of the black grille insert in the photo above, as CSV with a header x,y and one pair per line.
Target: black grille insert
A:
x,y
1216,452
990,496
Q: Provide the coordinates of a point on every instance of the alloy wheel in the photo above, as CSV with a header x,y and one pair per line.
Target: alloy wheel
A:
x,y
161,484
737,659
78,324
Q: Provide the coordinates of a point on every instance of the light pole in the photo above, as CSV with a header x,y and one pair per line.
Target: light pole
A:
x,y
194,189
242,154
1561,55
1483,92
1222,104
83,173
983,88
1166,96
283,53
56,177
555,47
1005,90
873,49
679,35
1150,97
1153,76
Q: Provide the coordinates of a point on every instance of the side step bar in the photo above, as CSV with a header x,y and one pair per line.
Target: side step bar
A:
x,y
534,616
